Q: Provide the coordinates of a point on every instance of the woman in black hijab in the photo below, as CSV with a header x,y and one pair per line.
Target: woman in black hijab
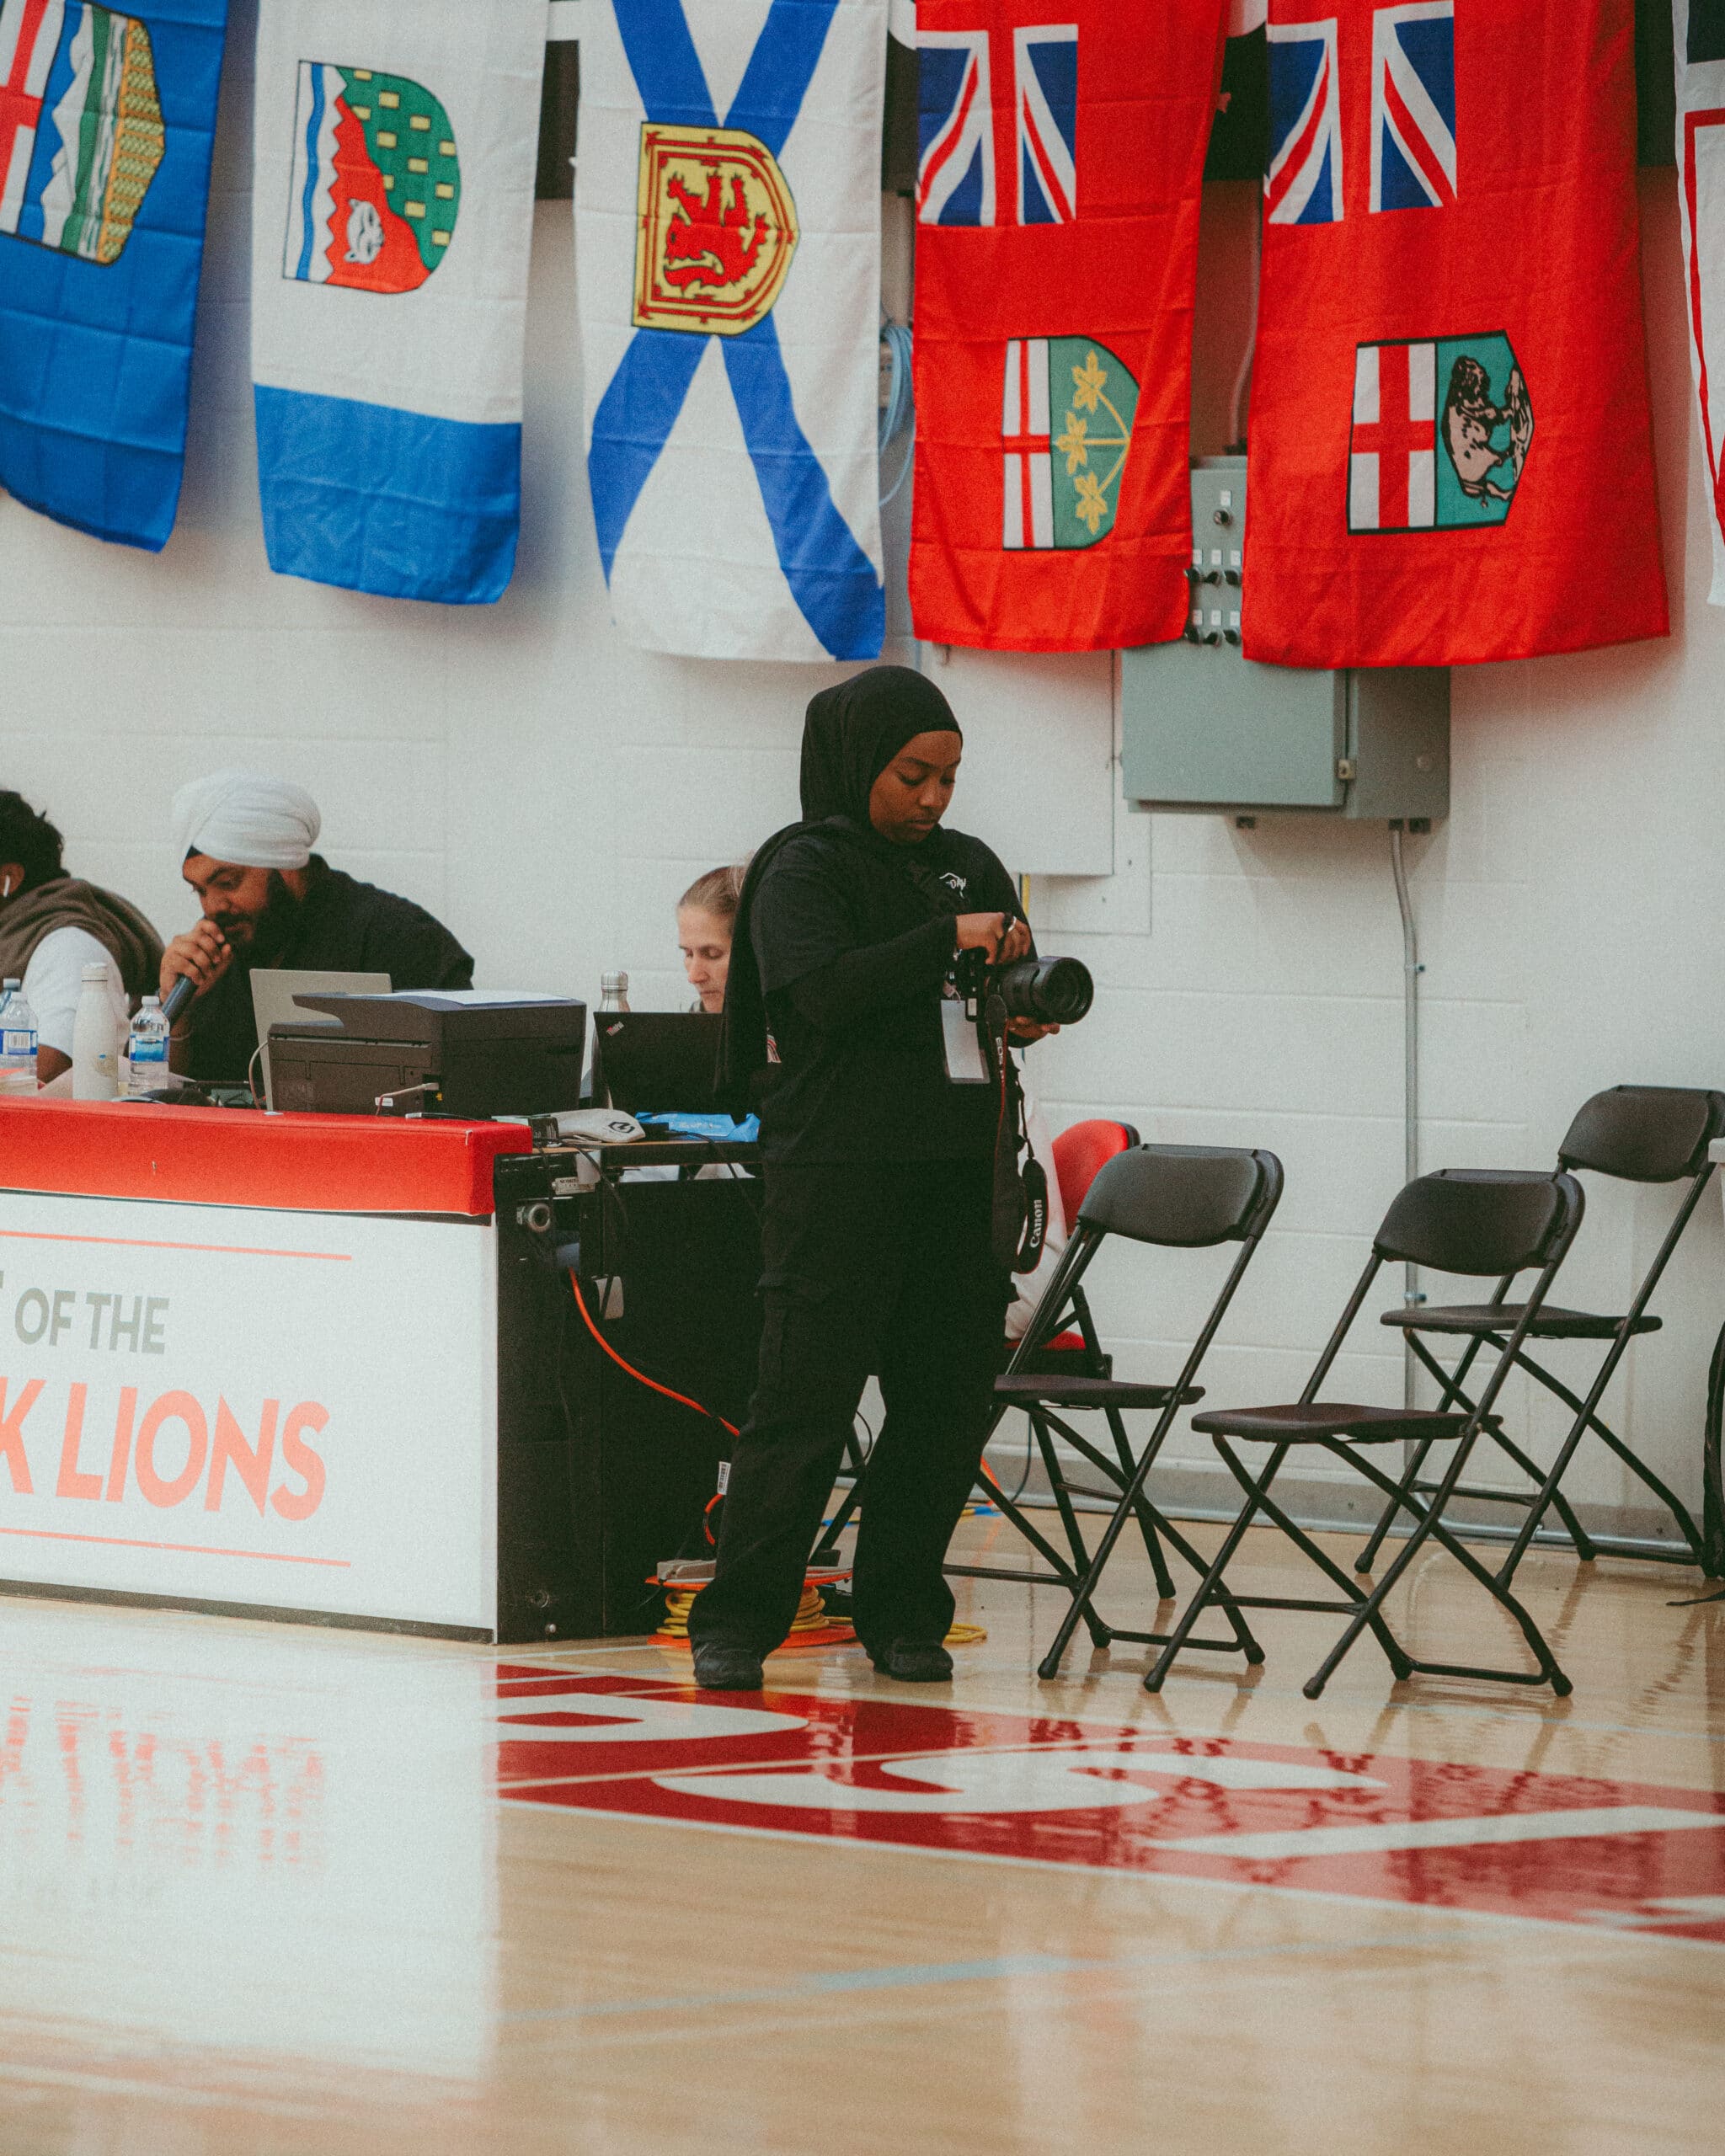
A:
x,y
876,1225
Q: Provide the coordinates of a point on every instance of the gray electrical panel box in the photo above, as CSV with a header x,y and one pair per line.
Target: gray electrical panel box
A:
x,y
1202,728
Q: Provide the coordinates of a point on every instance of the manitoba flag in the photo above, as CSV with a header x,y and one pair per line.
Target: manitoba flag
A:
x,y
1062,146
1450,445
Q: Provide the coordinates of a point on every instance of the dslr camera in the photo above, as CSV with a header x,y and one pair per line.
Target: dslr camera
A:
x,y
1047,991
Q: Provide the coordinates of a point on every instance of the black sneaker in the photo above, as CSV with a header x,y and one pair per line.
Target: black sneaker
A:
x,y
915,1661
720,1669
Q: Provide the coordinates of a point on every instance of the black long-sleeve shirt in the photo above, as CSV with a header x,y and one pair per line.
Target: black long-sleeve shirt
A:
x,y
854,967
341,925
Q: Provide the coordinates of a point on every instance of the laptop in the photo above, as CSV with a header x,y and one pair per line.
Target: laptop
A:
x,y
657,1062
273,990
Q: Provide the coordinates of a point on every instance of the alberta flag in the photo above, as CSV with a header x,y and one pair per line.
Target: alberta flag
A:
x,y
728,255
107,117
395,144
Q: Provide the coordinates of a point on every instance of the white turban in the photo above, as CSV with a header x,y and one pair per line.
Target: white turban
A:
x,y
245,818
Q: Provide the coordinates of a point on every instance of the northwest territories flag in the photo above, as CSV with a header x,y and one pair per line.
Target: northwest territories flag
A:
x,y
728,241
1451,442
1700,26
1062,146
395,145
106,122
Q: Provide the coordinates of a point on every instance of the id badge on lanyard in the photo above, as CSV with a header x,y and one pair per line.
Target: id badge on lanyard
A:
x,y
963,1043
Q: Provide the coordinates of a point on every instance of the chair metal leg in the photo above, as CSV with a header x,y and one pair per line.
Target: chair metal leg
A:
x,y
1587,1418
1451,1394
1208,1586
1133,1503
1146,1518
1428,1526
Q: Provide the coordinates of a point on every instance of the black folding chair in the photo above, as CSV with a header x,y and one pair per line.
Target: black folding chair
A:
x,y
1179,1197
1060,1339
1473,1221
1637,1134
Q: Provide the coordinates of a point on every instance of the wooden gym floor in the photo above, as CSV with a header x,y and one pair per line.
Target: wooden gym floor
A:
x,y
269,1889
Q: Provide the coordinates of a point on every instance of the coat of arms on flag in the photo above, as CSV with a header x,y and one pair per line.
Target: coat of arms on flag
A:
x,y
1303,184
81,129
1043,504
718,230
1441,432
956,171
376,181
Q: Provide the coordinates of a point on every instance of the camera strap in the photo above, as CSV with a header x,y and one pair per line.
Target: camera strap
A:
x,y
1020,1224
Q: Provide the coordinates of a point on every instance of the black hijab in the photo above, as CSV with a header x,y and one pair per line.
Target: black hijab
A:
x,y
851,733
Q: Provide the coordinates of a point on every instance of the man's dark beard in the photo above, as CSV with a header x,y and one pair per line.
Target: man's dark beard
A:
x,y
272,930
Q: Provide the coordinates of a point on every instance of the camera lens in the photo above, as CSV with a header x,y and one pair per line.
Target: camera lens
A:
x,y
1048,992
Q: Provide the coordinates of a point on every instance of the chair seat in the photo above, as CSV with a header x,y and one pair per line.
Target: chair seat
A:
x,y
1314,1421
1549,1324
1026,1390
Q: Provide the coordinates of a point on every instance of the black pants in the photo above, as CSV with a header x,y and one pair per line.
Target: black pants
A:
x,y
869,1269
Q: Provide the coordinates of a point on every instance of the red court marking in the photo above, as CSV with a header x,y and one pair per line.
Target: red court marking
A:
x,y
135,1242
186,1549
1624,1855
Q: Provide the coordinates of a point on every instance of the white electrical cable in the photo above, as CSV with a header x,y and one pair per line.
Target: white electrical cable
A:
x,y
899,413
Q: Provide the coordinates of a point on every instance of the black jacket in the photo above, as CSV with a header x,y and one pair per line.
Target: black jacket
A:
x,y
342,925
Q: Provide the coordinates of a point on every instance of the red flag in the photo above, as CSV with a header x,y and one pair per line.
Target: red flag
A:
x,y
1062,146
1450,446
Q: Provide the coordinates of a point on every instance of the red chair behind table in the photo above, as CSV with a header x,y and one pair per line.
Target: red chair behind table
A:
x,y
1080,1155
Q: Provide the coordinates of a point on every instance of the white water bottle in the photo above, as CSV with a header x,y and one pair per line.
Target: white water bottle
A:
x,y
613,991
147,1051
95,1040
18,1043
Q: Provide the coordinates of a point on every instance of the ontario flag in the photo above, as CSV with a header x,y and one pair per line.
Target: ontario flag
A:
x,y
1062,146
1451,444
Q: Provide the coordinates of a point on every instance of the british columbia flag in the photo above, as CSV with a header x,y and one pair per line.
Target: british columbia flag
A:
x,y
1304,183
956,175
1413,106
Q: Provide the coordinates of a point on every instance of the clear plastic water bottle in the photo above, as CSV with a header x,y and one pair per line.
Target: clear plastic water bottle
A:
x,y
95,1039
613,991
147,1051
17,1042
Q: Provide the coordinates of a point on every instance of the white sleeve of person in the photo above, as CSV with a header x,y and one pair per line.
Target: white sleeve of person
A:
x,y
53,981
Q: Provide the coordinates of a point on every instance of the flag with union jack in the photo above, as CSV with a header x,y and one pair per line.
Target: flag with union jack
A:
x,y
1413,105
1451,444
1303,184
1700,26
958,119
1062,155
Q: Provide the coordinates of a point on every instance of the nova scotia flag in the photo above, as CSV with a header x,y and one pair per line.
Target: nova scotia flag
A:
x,y
728,251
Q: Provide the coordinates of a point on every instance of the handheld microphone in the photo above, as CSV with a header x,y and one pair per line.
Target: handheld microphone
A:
x,y
178,997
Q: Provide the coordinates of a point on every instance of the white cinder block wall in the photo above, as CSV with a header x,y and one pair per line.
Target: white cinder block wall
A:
x,y
548,792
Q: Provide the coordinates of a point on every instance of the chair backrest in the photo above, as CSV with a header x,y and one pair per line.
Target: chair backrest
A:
x,y
1488,1221
1644,1133
1081,1154
1185,1196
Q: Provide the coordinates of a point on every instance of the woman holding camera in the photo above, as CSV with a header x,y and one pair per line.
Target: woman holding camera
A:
x,y
878,1180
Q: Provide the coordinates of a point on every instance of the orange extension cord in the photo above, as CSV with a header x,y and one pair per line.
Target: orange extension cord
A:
x,y
811,1613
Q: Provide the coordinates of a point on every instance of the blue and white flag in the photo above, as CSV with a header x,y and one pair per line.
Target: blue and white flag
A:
x,y
107,119
392,212
728,240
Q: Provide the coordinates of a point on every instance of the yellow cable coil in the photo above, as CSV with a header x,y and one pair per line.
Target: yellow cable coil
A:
x,y
811,1617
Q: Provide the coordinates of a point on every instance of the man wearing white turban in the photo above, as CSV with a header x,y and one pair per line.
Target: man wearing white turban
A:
x,y
245,846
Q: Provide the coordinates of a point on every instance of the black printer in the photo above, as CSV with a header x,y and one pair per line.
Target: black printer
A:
x,y
421,1052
